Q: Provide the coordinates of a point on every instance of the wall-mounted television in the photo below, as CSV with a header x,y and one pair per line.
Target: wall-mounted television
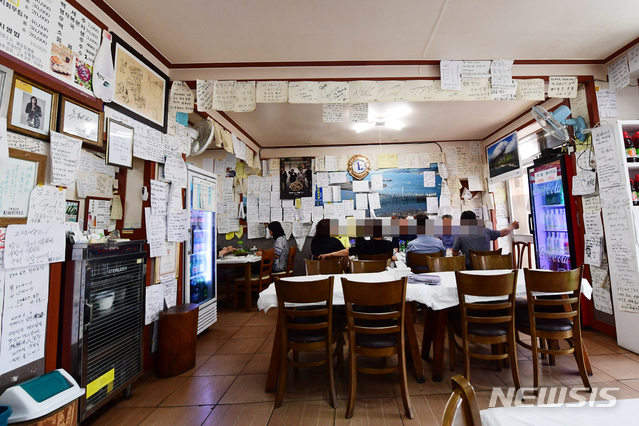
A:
x,y
503,159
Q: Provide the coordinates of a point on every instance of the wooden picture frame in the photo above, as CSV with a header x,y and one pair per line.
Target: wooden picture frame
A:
x,y
148,103
170,268
81,122
88,213
22,199
6,78
23,116
119,149
72,212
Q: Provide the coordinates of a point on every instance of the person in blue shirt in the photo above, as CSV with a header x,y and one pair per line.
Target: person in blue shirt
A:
x,y
479,242
448,240
425,243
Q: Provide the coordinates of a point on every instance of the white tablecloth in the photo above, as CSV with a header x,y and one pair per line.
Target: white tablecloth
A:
x,y
435,297
625,412
238,260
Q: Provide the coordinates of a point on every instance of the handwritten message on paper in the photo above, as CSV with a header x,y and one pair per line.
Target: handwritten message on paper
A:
x,y
362,91
584,183
169,282
476,89
450,74
505,92
333,113
390,91
592,249
429,179
530,90
25,143
180,98
303,92
608,158
26,286
204,92
501,72
17,179
244,96
600,282
159,197
419,91
155,232
562,87
223,95
154,303
178,226
373,201
47,205
272,92
633,59
607,103
148,143
619,74
592,224
333,92
23,335
591,204
35,244
475,69
175,171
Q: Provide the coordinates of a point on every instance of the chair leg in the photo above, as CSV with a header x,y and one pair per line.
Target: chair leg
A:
x,y
579,355
494,348
340,355
350,407
451,349
235,297
296,358
542,345
552,344
466,347
403,382
331,376
502,350
535,358
413,308
282,380
514,366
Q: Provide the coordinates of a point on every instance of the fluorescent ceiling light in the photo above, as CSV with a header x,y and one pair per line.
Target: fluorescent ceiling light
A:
x,y
361,127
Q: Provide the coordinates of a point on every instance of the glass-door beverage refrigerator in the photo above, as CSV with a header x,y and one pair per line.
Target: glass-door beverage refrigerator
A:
x,y
553,207
200,285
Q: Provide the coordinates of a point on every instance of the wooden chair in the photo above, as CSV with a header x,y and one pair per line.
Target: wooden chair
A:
x,y
258,281
497,261
292,251
377,334
484,253
443,264
418,262
519,248
364,266
462,408
324,267
308,329
553,318
485,323
384,256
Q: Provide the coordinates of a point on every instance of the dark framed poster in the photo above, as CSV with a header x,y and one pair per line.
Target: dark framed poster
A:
x,y
296,178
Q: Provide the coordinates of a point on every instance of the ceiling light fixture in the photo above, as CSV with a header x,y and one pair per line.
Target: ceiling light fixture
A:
x,y
389,120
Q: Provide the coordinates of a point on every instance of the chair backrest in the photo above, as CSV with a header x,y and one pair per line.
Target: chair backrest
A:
x,y
497,261
484,253
319,292
324,267
498,312
418,262
384,256
539,282
443,264
519,249
462,408
266,265
390,295
292,251
363,266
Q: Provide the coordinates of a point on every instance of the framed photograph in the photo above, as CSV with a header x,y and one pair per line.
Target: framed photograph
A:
x,y
32,108
503,159
81,122
97,213
141,89
22,171
73,208
168,262
6,77
119,151
296,178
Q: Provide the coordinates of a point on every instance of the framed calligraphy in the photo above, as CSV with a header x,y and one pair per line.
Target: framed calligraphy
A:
x,y
82,123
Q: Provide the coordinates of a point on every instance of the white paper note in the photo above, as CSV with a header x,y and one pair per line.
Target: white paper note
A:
x,y
36,244
178,226
429,179
531,90
431,204
362,92
360,186
619,74
204,89
377,182
501,72
47,205
23,335
361,201
169,282
450,74
373,200
155,232
607,103
159,197
180,98
303,92
65,152
358,113
154,303
333,113
562,87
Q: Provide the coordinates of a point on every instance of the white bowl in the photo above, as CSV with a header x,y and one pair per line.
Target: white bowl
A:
x,y
104,300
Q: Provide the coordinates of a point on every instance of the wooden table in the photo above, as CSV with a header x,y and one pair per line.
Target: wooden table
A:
x,y
247,261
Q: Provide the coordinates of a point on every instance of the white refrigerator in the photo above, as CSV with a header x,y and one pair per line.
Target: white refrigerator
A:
x,y
200,278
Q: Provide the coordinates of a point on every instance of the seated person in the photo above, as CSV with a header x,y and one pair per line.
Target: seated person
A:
x,y
322,241
225,250
403,223
448,239
376,245
280,245
479,242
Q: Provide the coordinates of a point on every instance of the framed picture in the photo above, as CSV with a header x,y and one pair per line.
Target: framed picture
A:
x,y
73,208
6,77
503,159
22,171
296,178
97,213
141,89
169,261
81,122
119,151
32,108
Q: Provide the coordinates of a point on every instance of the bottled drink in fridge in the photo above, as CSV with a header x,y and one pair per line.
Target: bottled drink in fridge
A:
x,y
634,192
635,141
630,148
635,201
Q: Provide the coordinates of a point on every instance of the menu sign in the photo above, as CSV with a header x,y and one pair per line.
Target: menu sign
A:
x,y
52,36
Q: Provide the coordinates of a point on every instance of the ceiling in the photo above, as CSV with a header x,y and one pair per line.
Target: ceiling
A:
x,y
249,31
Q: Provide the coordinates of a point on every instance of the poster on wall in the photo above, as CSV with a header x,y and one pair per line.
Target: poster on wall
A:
x,y
503,159
141,89
52,36
296,178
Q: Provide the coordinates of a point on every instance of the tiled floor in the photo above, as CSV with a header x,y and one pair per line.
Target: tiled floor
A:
x,y
227,385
